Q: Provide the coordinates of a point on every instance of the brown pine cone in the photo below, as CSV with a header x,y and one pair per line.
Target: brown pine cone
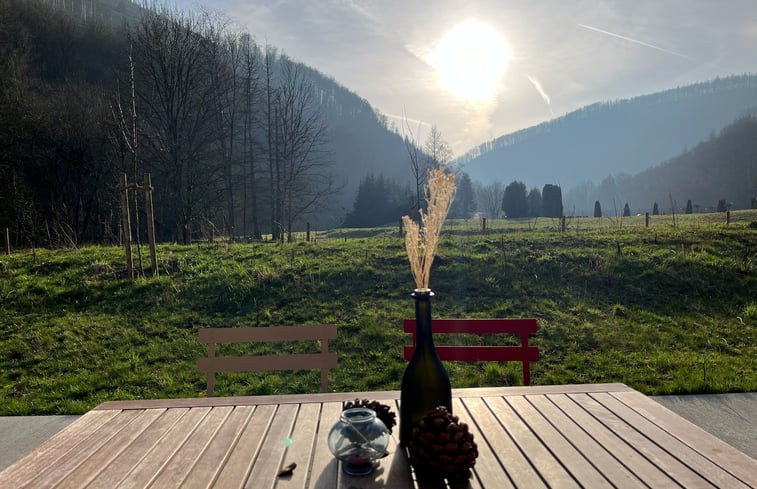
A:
x,y
383,412
442,447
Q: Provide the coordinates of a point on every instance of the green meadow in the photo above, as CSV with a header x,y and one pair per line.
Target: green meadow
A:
x,y
671,308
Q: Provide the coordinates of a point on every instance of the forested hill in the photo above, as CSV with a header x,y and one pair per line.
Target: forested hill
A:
x,y
238,137
723,167
360,140
611,137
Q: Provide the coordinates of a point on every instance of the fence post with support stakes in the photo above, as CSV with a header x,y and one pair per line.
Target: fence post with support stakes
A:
x,y
151,225
7,241
126,225
646,220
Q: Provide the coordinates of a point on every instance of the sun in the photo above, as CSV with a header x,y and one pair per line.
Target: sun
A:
x,y
471,59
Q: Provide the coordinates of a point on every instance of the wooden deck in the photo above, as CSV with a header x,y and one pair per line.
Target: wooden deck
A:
x,y
604,435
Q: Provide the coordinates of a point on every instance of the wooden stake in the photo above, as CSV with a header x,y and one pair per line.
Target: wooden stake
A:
x,y
483,225
7,241
562,224
727,217
151,225
126,225
401,228
307,236
646,220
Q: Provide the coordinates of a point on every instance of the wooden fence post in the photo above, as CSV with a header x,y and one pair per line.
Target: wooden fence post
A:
x,y
7,241
646,220
483,225
307,233
400,227
727,217
126,225
151,225
562,224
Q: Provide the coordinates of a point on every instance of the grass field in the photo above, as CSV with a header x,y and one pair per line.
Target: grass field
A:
x,y
664,309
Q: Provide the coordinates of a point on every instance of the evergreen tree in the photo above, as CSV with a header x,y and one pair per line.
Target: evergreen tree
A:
x,y
689,207
551,201
515,202
534,202
379,201
655,210
597,209
626,211
464,204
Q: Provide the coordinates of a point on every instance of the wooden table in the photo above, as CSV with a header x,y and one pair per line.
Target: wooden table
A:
x,y
604,435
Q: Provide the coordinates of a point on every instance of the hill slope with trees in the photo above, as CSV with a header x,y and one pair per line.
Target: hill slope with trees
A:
x,y
239,137
624,136
721,168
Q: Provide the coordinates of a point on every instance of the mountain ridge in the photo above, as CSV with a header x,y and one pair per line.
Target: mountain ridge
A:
x,y
621,136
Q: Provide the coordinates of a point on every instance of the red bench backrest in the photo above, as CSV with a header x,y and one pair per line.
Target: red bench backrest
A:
x,y
523,353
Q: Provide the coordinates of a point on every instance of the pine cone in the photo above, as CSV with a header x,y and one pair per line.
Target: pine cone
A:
x,y
442,447
383,412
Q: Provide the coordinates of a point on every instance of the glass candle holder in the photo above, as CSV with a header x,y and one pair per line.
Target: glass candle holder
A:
x,y
358,439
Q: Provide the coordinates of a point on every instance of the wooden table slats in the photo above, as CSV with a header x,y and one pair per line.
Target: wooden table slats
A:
x,y
572,460
602,435
697,463
590,448
491,474
738,463
133,454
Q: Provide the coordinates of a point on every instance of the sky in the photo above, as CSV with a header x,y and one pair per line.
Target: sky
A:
x,y
481,69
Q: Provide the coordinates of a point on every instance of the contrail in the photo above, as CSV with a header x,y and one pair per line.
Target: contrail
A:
x,y
537,85
539,88
635,41
403,118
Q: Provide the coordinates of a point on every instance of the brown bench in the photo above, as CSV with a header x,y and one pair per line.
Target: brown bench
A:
x,y
523,353
300,361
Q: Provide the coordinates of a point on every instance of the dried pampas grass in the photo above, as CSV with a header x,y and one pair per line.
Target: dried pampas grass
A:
x,y
421,242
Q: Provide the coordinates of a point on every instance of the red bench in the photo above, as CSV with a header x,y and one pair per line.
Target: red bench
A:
x,y
523,353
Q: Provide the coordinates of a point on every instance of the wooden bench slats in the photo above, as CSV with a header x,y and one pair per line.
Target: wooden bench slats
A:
x,y
300,361
212,364
482,353
268,333
522,327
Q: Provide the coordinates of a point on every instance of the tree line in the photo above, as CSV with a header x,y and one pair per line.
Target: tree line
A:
x,y
233,132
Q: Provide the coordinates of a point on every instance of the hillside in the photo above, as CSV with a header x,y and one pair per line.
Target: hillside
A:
x,y
624,136
63,74
723,167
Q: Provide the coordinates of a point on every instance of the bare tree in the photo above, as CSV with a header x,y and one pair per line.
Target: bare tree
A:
x,y
417,166
181,132
303,178
490,198
269,61
437,150
127,135
251,59
224,69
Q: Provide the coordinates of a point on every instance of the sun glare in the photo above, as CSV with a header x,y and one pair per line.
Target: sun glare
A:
x,y
471,60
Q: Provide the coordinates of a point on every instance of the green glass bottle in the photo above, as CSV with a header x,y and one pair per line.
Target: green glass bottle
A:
x,y
425,384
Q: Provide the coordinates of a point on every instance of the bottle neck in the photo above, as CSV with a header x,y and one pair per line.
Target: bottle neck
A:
x,y
424,338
